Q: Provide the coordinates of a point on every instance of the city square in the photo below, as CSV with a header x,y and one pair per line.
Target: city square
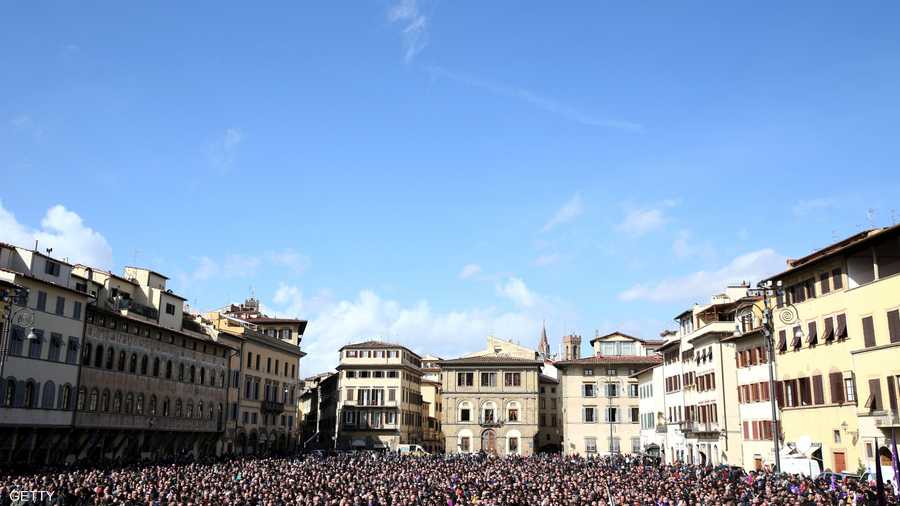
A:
x,y
419,252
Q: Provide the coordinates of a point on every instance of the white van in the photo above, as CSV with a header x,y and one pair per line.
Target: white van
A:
x,y
800,465
404,449
887,473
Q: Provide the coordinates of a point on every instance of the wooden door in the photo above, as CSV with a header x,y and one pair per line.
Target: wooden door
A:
x,y
840,463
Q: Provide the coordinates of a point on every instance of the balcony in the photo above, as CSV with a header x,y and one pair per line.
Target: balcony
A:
x,y
726,327
272,407
490,422
888,420
703,429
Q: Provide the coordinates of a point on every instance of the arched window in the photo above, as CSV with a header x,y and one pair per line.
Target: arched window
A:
x,y
464,412
180,372
200,410
92,402
489,412
168,369
65,394
9,392
132,364
82,398
202,375
151,408
193,377
177,408
98,356
104,401
139,405
122,360
110,355
86,354
30,399
48,397
165,407
155,367
513,409
129,403
117,402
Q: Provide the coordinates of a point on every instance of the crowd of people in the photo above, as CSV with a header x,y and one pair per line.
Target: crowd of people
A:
x,y
378,480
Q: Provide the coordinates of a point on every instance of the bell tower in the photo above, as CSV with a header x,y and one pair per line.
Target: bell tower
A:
x,y
571,347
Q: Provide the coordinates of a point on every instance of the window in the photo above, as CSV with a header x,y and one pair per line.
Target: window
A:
x,y
587,390
849,390
612,389
512,379
590,445
837,436
868,332
635,445
72,354
836,279
51,268
589,414
609,349
894,325
633,390
76,310
488,412
41,301
512,413
60,305
465,379
465,412
170,308
824,283
465,444
611,372
612,414
34,350
614,446
55,347
635,414
488,379
513,445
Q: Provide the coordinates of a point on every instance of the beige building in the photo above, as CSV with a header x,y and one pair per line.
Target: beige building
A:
x,y
549,438
700,384
432,405
262,412
652,410
491,402
838,349
600,401
152,382
39,354
379,402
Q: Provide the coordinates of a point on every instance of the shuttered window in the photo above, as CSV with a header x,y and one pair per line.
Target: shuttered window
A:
x,y
796,341
892,392
818,393
836,279
841,321
868,331
782,341
813,334
894,325
874,402
835,381
828,333
824,283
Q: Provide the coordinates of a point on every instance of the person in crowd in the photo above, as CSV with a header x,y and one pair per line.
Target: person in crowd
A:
x,y
452,480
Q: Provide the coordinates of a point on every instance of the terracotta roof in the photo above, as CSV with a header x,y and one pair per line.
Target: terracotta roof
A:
x,y
642,371
500,359
613,359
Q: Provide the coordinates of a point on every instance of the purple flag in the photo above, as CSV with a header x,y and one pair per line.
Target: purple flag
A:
x,y
895,461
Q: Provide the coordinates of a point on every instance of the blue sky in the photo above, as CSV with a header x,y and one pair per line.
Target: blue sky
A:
x,y
431,172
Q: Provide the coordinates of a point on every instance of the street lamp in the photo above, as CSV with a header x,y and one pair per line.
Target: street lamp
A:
x,y
22,317
787,314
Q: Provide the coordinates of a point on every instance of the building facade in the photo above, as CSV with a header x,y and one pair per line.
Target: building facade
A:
x,y
549,438
652,410
318,411
39,355
379,402
838,350
600,398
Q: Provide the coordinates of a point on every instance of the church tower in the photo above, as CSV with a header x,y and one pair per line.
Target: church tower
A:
x,y
571,347
544,345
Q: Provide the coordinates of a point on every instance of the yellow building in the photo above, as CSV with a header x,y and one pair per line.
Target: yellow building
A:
x,y
600,398
837,333
379,404
432,406
263,395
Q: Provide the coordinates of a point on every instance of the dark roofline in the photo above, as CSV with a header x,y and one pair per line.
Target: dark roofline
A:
x,y
492,360
844,246
612,359
598,338
50,283
151,271
376,345
644,370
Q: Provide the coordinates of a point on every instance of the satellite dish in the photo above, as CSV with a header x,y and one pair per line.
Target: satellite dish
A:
x,y
804,443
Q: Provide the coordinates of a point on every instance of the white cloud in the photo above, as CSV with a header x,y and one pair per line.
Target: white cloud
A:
x,y
415,27
572,209
62,230
290,259
232,266
700,285
25,124
535,100
469,270
222,152
515,290
641,220
685,246
807,207
417,326
545,260
289,300
206,269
